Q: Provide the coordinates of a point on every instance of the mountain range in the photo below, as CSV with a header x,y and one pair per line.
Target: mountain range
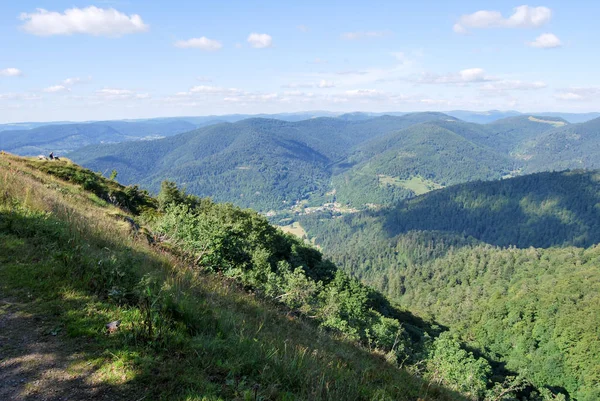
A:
x,y
269,164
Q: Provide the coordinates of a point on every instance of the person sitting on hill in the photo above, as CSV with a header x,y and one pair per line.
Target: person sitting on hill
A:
x,y
51,155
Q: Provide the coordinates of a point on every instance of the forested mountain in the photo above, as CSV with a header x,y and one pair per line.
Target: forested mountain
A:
x,y
485,117
63,138
356,159
568,147
508,133
382,169
453,254
260,163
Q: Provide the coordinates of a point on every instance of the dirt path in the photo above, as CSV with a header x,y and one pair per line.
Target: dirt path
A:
x,y
38,362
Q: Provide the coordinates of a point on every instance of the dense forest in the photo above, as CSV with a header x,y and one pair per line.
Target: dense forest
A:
x,y
260,163
453,255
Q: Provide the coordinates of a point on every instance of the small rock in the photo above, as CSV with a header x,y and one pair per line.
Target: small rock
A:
x,y
113,326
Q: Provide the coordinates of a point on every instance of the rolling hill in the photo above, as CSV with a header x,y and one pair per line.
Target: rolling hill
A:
x,y
426,154
260,163
568,147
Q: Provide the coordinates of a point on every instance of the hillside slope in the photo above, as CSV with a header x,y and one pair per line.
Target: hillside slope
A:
x,y
428,152
465,256
568,147
72,262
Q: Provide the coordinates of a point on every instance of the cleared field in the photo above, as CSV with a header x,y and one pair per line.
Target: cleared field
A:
x,y
295,229
417,184
553,123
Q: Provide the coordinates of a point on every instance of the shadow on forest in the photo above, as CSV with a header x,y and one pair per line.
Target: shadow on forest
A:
x,y
540,210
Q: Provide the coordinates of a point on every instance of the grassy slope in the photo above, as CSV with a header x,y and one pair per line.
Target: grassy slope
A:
x,y
60,245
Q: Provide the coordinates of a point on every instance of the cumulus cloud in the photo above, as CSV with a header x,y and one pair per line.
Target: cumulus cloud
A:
x,y
364,35
522,17
56,88
326,84
11,72
546,41
466,76
90,21
202,43
260,40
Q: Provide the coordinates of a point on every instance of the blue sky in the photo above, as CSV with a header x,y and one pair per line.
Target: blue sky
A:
x,y
80,60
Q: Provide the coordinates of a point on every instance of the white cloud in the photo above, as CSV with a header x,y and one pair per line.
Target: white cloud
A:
x,y
569,96
11,72
364,35
120,94
297,85
522,17
546,41
71,81
326,84
213,90
318,60
472,75
260,40
19,96
466,76
252,98
351,73
202,43
90,21
507,85
303,28
56,88
578,93
364,93
113,92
